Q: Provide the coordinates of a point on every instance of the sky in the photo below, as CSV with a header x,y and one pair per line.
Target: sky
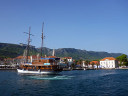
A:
x,y
92,25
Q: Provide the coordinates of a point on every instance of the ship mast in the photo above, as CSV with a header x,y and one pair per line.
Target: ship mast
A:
x,y
42,37
28,45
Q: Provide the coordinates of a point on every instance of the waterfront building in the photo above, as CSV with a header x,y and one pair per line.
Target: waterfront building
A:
x,y
69,59
66,61
85,64
109,62
7,63
95,64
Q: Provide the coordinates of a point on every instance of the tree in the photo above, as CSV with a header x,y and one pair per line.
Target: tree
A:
x,y
2,58
76,61
73,65
87,62
80,62
123,60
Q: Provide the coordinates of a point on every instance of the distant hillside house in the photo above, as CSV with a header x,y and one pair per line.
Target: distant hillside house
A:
x,y
109,62
25,45
21,44
68,58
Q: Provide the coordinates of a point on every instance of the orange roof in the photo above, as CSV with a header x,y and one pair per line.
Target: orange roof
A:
x,y
94,62
21,57
34,56
109,58
68,57
51,56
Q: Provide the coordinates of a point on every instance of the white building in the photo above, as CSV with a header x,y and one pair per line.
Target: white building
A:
x,y
109,62
69,59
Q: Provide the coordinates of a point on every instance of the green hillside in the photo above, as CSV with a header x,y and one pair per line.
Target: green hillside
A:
x,y
83,54
14,50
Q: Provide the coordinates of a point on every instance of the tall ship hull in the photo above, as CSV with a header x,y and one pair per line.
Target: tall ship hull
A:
x,y
42,66
38,72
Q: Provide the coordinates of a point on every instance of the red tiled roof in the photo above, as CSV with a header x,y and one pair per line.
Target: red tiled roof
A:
x,y
109,58
94,62
51,56
68,57
21,57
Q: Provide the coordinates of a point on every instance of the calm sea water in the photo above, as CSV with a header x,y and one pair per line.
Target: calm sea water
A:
x,y
68,83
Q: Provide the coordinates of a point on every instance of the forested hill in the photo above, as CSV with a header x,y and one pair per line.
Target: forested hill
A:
x,y
11,50
14,50
83,54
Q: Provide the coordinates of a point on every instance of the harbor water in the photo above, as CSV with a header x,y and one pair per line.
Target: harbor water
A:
x,y
67,83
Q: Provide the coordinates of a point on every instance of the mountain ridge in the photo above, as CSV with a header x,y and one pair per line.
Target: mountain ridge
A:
x,y
14,50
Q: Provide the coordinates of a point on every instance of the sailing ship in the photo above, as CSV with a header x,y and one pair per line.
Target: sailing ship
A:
x,y
41,65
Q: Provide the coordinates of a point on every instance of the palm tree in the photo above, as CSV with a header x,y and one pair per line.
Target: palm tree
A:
x,y
87,63
80,62
66,62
